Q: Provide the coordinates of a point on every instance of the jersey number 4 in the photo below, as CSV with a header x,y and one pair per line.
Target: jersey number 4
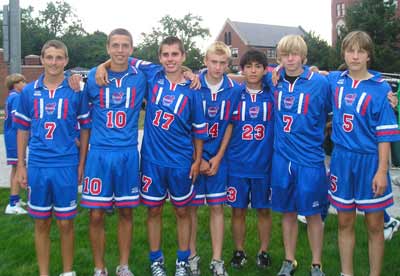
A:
x,y
168,117
50,127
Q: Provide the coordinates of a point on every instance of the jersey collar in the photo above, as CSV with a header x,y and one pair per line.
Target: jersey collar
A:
x,y
40,85
376,76
227,82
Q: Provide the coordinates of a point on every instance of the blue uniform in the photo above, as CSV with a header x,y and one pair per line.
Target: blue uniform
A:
x,y
218,108
362,118
51,117
174,117
112,167
301,109
250,150
10,131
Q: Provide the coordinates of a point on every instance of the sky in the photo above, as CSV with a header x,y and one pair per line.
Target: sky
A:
x,y
140,16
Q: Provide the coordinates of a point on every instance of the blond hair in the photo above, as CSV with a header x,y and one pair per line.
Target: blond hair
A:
x,y
12,79
358,39
292,44
218,48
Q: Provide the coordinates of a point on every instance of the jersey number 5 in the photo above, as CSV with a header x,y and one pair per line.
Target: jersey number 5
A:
x,y
50,127
348,122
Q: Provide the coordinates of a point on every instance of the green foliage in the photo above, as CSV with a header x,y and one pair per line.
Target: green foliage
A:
x,y
320,53
378,19
188,29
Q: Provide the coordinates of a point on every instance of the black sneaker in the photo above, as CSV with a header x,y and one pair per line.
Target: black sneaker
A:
x,y
263,260
239,259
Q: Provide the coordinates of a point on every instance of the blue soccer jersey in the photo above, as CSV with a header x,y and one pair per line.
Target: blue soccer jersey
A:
x,y
251,145
51,116
362,116
301,109
10,131
218,108
174,116
116,108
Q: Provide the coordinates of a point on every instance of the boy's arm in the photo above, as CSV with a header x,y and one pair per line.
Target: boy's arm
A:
x,y
379,182
216,160
198,151
101,73
22,143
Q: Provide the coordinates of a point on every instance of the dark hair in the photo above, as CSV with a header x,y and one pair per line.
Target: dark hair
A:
x,y
253,55
55,44
171,40
359,39
119,31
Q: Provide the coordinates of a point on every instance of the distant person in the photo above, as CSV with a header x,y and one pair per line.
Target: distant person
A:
x,y
47,115
363,126
14,83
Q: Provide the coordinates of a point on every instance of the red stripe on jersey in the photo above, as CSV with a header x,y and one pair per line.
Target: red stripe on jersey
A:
x,y
96,203
155,89
184,202
67,214
336,97
22,122
84,121
65,109
227,109
118,82
133,61
253,97
388,132
341,205
152,203
173,86
355,83
39,213
51,93
127,203
35,108
133,97
101,96
200,131
183,105
376,205
305,109
213,96
365,105
269,111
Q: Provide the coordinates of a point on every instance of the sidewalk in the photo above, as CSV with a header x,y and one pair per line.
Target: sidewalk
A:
x,y
5,173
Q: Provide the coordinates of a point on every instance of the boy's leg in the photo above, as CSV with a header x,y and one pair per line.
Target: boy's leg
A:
x,y
125,226
376,242
154,224
42,244
66,228
290,232
346,239
183,224
217,226
97,237
239,227
315,231
264,228
193,231
14,186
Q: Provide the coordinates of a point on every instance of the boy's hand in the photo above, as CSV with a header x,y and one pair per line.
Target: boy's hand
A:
x,y
204,167
75,82
101,75
194,171
393,100
22,176
379,183
214,165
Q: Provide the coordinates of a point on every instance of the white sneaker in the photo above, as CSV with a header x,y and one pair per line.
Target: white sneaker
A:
x,y
302,219
123,270
71,273
15,210
390,228
22,203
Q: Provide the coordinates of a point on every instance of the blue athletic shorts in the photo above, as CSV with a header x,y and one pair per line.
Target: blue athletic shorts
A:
x,y
297,188
11,149
159,182
111,177
211,188
351,182
243,190
52,189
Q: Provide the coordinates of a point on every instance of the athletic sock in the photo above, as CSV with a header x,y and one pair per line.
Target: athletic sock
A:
x,y
156,256
14,200
183,256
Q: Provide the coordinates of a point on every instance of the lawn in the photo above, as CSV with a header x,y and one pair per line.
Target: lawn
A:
x,y
17,255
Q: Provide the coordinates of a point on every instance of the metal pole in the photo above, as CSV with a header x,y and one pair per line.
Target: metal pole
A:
x,y
15,37
6,35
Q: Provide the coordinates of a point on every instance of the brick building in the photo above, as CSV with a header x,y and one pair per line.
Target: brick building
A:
x,y
241,36
31,69
338,11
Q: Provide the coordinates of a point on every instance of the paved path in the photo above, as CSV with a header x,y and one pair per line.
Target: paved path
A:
x,y
5,172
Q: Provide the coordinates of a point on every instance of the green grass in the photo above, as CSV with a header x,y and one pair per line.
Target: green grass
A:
x,y
17,254
1,126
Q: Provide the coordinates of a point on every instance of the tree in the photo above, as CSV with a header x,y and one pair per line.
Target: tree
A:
x,y
320,53
188,29
378,19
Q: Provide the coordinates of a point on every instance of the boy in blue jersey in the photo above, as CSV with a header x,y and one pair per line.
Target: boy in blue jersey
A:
x,y
363,127
112,167
298,176
47,114
15,83
249,158
171,152
220,98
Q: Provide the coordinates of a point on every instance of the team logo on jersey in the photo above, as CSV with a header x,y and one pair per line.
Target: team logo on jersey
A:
x,y
37,93
349,99
253,111
315,204
72,203
50,107
168,100
340,81
117,97
212,111
160,81
288,102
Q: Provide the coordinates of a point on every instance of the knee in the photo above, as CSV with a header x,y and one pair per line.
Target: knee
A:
x,y
264,213
154,212
125,215
238,213
65,226
43,225
217,210
182,212
96,217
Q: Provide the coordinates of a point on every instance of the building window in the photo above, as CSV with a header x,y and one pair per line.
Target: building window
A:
x,y
227,38
235,52
271,53
340,9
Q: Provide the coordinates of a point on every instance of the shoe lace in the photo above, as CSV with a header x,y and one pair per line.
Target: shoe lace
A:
x,y
316,271
286,268
181,269
157,269
124,271
219,268
99,272
194,263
